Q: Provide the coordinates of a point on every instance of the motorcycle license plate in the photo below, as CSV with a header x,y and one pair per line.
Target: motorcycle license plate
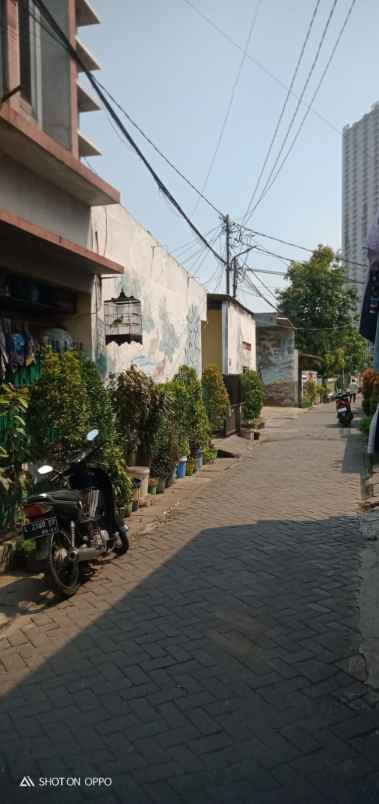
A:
x,y
342,410
41,527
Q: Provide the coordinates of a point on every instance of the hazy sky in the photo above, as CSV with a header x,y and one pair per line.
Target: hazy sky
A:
x,y
174,74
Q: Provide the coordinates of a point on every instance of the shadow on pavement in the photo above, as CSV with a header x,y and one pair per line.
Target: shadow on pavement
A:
x,y
230,674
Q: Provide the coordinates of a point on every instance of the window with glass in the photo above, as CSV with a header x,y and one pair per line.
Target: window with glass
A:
x,y
25,49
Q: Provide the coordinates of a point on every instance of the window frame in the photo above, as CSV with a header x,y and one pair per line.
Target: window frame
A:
x,y
25,50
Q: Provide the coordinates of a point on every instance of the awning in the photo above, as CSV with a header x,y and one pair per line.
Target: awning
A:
x,y
29,240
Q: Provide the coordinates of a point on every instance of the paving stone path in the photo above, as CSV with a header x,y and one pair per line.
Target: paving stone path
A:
x,y
220,661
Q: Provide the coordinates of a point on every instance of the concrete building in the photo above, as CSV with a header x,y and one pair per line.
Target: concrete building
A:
x,y
229,337
278,359
48,263
174,305
360,192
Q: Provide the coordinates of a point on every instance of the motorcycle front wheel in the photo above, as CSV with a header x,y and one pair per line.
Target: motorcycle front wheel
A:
x,y
61,574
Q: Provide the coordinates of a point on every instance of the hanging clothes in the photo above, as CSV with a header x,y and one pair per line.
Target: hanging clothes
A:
x,y
30,346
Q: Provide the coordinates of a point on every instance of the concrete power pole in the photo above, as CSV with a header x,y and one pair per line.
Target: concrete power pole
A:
x,y
227,230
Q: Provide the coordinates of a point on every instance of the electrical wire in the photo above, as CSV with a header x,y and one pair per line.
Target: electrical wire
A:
x,y
293,259
194,240
230,102
267,187
200,193
266,287
258,64
133,122
283,109
296,245
291,124
161,186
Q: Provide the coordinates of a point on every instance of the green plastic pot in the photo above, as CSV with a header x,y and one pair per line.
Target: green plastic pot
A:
x,y
161,485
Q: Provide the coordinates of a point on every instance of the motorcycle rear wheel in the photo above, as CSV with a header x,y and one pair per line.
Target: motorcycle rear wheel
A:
x,y
122,546
61,575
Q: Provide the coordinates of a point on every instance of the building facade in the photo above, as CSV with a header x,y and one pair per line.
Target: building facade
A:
x,y
360,193
173,304
229,335
278,359
48,264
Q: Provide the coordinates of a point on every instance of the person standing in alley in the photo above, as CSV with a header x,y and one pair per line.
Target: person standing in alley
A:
x,y
353,390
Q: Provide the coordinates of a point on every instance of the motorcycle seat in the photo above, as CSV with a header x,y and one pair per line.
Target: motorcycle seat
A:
x,y
64,495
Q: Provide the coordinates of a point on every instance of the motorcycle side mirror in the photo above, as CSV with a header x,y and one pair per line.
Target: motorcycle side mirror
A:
x,y
92,435
45,470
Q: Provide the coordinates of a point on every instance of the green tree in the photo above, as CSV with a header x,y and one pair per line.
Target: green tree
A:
x,y
322,306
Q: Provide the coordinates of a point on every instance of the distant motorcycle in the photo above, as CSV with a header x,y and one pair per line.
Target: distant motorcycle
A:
x,y
76,524
344,413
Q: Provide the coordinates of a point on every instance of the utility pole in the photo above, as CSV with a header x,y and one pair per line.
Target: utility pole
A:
x,y
235,277
227,230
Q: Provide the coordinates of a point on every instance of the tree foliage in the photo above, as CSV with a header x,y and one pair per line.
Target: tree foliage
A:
x,y
215,396
190,414
322,306
252,394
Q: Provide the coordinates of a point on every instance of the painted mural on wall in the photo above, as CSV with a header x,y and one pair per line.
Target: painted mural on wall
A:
x,y
276,357
168,341
192,351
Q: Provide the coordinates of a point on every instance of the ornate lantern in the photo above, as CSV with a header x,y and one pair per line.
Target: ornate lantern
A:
x,y
123,320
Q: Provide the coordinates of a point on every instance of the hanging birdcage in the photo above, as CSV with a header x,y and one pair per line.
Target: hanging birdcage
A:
x,y
123,320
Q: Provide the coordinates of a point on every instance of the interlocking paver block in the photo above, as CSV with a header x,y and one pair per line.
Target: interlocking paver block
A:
x,y
211,664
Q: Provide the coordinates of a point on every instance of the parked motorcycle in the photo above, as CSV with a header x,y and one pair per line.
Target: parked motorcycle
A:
x,y
75,524
344,412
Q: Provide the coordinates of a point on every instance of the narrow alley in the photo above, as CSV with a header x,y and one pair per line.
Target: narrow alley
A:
x,y
221,659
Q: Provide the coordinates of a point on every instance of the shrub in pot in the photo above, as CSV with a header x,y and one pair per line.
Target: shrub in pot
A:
x,y
166,443
67,401
14,452
252,395
215,397
139,406
190,413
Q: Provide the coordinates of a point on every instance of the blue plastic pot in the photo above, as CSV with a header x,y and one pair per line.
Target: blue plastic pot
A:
x,y
181,470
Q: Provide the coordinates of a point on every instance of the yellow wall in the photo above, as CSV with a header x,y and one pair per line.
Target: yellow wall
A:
x,y
211,336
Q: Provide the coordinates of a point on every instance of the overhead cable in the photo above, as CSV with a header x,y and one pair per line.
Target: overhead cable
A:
x,y
257,63
160,184
291,124
297,245
230,102
283,109
306,115
293,259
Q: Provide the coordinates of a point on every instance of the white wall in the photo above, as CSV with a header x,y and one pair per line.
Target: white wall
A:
x,y
41,203
240,329
173,304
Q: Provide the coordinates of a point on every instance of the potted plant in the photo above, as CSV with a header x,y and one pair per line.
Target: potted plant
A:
x,y
139,406
153,484
215,397
183,457
190,414
165,451
191,466
210,454
252,395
